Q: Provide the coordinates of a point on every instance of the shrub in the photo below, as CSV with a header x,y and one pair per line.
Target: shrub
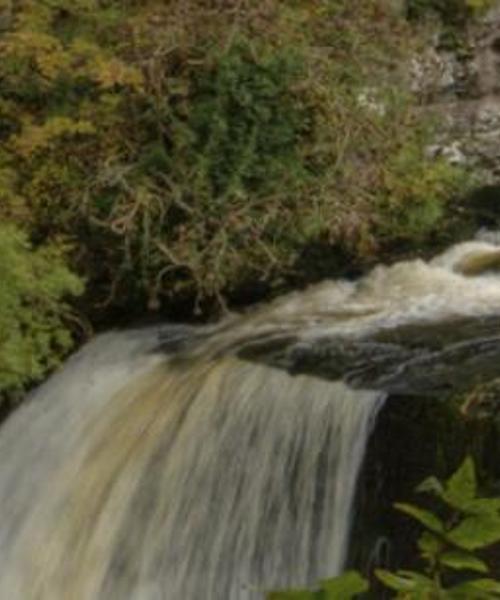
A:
x,y
449,545
188,148
33,331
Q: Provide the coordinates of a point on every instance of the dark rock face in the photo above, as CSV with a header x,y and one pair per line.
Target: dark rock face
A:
x,y
420,359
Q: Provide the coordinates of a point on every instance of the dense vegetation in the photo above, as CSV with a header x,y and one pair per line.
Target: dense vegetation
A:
x,y
184,151
33,315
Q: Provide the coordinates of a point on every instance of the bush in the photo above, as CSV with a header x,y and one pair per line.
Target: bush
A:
x,y
33,335
449,544
188,148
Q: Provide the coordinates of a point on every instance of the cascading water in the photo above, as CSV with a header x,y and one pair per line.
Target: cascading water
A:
x,y
132,474
215,480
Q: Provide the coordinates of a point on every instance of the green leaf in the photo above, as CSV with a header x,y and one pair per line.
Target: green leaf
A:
x,y
491,586
425,517
345,587
422,580
461,561
479,589
475,532
461,486
405,581
429,546
431,485
465,591
395,581
478,506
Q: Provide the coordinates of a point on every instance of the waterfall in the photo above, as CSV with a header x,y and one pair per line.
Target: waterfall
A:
x,y
214,479
135,474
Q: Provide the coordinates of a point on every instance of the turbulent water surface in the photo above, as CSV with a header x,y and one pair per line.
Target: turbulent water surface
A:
x,y
133,474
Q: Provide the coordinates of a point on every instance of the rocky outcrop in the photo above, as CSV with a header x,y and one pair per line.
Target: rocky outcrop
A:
x,y
421,359
461,87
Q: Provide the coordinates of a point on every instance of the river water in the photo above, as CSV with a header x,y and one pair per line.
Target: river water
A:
x,y
138,474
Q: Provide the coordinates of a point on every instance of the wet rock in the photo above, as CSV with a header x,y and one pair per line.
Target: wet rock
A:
x,y
423,359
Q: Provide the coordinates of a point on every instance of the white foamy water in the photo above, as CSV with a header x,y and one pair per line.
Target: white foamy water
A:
x,y
464,281
131,475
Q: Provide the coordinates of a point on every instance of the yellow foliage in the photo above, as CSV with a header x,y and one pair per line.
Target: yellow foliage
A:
x,y
30,44
40,137
111,72
80,57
